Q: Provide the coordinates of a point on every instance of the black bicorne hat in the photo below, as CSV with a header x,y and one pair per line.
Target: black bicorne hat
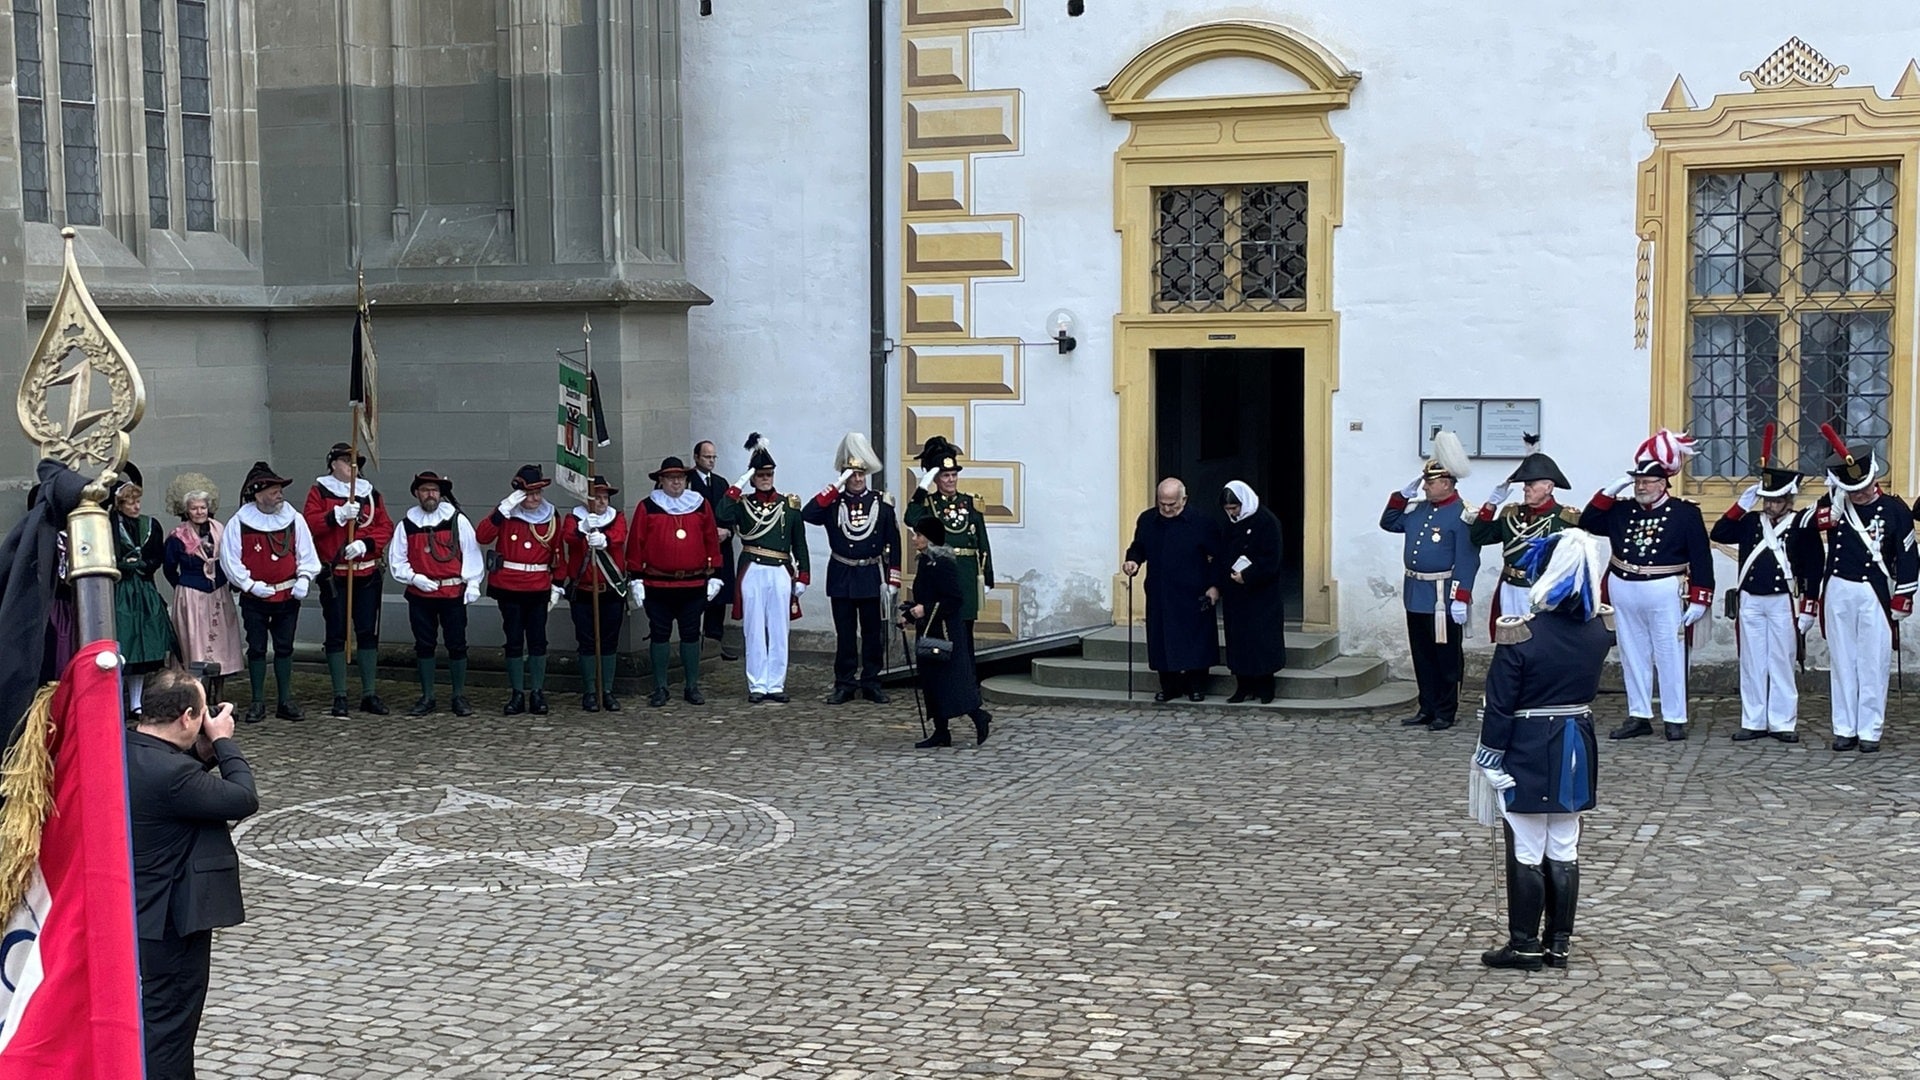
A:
x,y
599,486
529,478
259,478
1538,466
762,452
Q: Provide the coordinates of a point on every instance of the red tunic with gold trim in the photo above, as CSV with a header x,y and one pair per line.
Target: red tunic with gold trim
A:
x,y
374,527
574,550
666,550
527,550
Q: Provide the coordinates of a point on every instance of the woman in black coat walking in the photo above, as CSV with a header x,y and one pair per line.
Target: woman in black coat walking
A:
x,y
935,610
1251,596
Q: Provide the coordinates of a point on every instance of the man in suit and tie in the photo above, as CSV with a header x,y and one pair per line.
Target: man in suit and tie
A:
x,y
186,873
713,488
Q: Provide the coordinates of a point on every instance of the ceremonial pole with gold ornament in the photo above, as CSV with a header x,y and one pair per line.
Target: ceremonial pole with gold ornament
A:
x,y
90,440
362,419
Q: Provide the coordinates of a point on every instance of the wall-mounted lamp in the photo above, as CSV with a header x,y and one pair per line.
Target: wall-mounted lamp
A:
x,y
1076,7
1060,326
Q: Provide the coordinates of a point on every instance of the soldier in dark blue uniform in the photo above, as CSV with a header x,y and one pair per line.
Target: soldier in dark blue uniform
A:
x,y
864,572
1776,564
1441,560
1661,581
1871,573
1534,770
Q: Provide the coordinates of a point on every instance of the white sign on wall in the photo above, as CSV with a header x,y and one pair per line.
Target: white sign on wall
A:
x,y
1487,427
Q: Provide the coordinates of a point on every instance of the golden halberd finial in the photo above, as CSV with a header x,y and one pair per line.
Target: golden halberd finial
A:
x,y
75,347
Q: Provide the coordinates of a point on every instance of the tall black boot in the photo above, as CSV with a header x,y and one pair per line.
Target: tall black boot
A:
x,y
1267,689
942,736
1240,690
1563,895
1524,905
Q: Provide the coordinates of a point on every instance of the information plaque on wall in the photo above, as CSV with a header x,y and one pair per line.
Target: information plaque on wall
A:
x,y
1488,427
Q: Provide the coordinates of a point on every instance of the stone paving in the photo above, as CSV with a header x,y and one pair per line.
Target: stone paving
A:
x,y
793,891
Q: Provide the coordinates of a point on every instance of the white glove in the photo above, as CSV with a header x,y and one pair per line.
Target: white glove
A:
x,y
1899,615
799,589
713,588
1500,779
1805,623
597,540
1500,493
554,596
845,475
745,483
1412,488
346,511
507,504
473,593
421,582
1458,610
300,587
929,481
355,551
260,589
1695,612
1750,498
1620,487
636,593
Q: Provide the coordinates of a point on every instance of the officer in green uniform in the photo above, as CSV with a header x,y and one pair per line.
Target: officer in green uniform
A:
x,y
1514,525
966,525
774,569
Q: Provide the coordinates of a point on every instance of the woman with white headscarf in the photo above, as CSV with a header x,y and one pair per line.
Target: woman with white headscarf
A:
x,y
1251,595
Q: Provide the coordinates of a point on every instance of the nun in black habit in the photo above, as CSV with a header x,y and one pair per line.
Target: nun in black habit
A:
x,y
935,609
1179,546
1251,599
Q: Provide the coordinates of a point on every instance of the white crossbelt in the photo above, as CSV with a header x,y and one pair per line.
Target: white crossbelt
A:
x,y
527,567
1440,600
1541,711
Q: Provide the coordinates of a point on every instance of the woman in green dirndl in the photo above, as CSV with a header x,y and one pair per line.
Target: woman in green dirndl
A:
x,y
140,620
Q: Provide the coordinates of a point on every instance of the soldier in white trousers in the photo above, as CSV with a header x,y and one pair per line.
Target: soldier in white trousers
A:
x,y
1777,560
773,572
1872,570
1660,581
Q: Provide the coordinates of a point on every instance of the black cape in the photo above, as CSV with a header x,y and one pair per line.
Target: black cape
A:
x,y
1255,612
28,566
1179,554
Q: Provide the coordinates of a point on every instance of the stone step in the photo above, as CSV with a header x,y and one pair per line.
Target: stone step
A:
x,y
1305,648
1392,694
1341,677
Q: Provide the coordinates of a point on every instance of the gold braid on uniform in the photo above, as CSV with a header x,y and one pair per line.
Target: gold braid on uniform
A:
x,y
760,523
1524,534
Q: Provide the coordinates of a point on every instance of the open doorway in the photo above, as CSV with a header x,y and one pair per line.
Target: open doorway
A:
x,y
1237,414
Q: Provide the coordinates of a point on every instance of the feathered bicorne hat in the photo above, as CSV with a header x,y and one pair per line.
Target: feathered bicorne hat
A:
x,y
189,486
761,451
1449,458
856,453
1850,468
1537,466
1663,455
1567,566
1775,482
938,453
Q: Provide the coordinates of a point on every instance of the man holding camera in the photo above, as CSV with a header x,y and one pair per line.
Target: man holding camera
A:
x,y
186,874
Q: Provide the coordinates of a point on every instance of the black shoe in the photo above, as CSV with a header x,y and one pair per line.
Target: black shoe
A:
x,y
256,713
840,696
943,737
287,710
756,698
373,706
516,703
609,702
779,696
657,698
424,707
1523,956
537,702
1160,697
1747,734
590,702
728,652
1869,746
1196,695
1417,720
1845,742
982,721
339,707
1676,732
875,695
462,707
1635,727
1239,695
1440,725
1786,736
694,696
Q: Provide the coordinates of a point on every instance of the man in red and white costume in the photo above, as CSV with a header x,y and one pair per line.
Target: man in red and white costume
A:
x,y
525,533
340,500
438,560
268,554
673,555
593,542
1660,581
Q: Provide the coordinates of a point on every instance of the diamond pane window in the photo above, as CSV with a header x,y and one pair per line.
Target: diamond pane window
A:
x,y
1239,248
196,115
79,125
30,88
153,59
1790,313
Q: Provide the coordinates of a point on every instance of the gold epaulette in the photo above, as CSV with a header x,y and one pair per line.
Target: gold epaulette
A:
x,y
1606,615
1569,515
887,497
793,502
1511,630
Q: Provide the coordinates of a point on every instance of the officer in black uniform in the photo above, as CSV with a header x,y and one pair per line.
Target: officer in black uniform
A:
x,y
864,573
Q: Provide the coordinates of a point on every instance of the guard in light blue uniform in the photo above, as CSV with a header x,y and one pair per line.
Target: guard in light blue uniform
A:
x,y
1441,560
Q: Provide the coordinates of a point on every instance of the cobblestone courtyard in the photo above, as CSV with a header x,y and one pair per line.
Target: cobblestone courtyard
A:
x,y
792,891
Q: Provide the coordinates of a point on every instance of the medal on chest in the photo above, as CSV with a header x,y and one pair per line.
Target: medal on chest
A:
x,y
679,534
1644,533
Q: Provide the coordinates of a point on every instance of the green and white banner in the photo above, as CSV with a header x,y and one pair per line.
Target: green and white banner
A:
x,y
576,427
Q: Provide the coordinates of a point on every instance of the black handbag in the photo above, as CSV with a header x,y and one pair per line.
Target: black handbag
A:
x,y
925,647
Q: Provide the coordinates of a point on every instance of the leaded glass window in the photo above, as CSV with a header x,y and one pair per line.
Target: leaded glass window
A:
x,y
1790,313
196,114
153,60
30,87
79,123
1236,248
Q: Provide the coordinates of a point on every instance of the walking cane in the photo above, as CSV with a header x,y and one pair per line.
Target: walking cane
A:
x,y
913,669
1129,639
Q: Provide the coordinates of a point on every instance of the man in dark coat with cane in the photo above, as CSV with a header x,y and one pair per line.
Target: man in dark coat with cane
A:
x,y
1183,637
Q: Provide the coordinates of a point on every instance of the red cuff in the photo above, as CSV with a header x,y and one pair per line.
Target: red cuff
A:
x,y
893,577
1462,595
733,493
1396,501
1486,512
1735,513
825,498
1601,501
806,579
1700,594
1809,606
1823,518
1903,603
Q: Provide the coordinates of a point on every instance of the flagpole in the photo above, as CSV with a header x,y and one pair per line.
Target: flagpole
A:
x,y
353,460
588,564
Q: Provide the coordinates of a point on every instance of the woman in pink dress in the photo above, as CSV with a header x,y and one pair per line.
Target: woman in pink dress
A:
x,y
204,619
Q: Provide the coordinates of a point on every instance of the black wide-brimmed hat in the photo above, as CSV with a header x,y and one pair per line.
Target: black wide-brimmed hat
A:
x,y
259,478
671,466
529,478
422,479
938,453
931,528
341,451
599,486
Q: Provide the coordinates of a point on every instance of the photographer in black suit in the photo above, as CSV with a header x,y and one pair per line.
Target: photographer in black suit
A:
x,y
186,874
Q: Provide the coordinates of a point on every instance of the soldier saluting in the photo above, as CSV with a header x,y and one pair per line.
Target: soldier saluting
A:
x,y
864,571
939,496
1516,525
1441,560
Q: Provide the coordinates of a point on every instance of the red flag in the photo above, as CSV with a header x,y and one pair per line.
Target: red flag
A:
x,y
70,999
